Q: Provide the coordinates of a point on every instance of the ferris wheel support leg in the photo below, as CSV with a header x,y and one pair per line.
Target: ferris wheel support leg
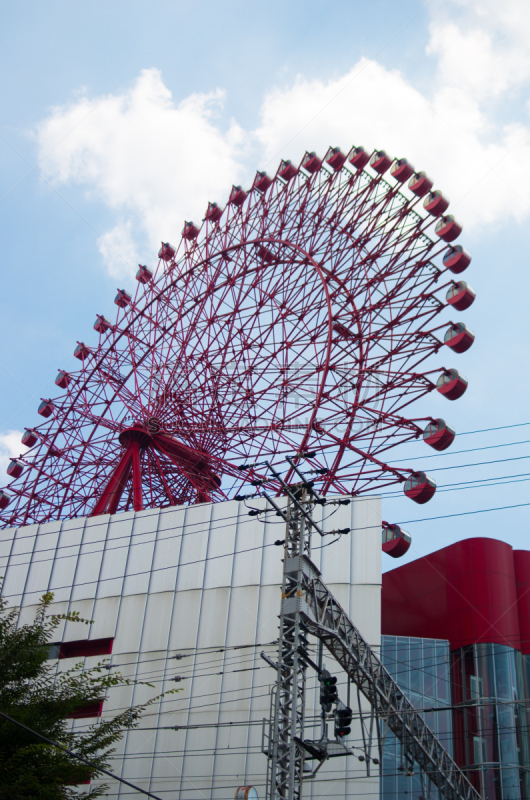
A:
x,y
138,502
203,495
110,498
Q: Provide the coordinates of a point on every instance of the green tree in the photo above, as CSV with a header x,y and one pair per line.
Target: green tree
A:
x,y
34,693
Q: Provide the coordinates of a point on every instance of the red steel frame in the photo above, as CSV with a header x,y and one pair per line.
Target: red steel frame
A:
x,y
302,319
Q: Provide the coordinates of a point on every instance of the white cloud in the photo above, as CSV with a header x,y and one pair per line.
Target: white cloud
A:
x,y
10,447
448,135
119,250
478,59
475,153
154,162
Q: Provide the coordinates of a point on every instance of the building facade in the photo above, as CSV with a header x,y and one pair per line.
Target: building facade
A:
x,y
474,597
422,669
188,598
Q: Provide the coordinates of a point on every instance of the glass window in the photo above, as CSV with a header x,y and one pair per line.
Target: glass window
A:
x,y
444,729
403,663
442,672
429,663
416,683
389,654
88,710
475,687
479,750
53,651
503,672
420,667
86,647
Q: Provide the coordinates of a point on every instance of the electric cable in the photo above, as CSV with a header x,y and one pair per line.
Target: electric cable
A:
x,y
192,709
450,452
479,483
460,514
106,523
127,545
272,544
500,428
444,515
160,679
479,463
131,537
161,512
184,655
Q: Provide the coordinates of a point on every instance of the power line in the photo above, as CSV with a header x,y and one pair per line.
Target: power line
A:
x,y
195,651
462,514
107,523
129,537
161,512
272,544
481,483
480,463
500,428
193,708
151,678
450,452
241,519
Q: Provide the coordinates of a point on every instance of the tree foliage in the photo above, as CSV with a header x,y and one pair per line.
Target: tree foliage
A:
x,y
35,693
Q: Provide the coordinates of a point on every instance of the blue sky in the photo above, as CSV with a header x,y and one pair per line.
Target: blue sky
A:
x,y
120,120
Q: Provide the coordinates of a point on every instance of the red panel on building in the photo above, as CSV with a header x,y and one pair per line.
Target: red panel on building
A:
x,y
93,709
84,648
521,559
466,593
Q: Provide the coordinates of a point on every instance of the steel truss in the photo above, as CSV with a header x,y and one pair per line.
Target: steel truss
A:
x,y
309,608
324,618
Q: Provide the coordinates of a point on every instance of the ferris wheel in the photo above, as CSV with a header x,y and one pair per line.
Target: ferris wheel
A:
x,y
298,318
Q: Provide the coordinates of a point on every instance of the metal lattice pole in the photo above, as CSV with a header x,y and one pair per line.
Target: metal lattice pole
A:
x,y
289,702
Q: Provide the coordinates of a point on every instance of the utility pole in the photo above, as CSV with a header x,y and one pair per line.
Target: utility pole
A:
x,y
286,764
289,702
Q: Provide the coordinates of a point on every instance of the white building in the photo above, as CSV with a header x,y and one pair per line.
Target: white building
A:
x,y
201,582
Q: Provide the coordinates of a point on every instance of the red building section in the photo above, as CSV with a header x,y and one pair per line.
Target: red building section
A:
x,y
477,590
522,584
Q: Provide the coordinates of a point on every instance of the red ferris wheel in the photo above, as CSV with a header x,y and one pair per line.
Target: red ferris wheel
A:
x,y
298,318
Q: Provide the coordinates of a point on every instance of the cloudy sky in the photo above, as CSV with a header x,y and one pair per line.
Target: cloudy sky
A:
x,y
120,120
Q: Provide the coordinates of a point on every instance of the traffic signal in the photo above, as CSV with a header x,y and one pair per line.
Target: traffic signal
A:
x,y
328,690
343,718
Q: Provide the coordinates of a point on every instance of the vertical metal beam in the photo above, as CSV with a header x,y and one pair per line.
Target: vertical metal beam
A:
x,y
288,710
138,503
108,502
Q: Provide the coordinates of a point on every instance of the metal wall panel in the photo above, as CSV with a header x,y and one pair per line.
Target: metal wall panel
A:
x,y
202,582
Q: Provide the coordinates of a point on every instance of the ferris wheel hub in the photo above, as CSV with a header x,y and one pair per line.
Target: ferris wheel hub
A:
x,y
189,459
136,433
